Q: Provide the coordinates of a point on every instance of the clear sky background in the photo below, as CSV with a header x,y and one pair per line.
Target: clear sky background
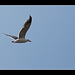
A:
x,y
52,33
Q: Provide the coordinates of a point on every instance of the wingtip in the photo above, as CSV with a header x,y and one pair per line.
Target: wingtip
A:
x,y
30,16
4,33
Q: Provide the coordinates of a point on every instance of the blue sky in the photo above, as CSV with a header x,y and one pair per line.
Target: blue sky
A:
x,y
52,33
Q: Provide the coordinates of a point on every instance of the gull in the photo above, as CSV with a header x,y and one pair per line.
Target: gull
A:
x,y
21,36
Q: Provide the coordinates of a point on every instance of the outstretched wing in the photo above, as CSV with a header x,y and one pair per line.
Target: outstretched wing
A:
x,y
14,37
25,28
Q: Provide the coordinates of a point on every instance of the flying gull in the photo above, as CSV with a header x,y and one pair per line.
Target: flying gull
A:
x,y
21,37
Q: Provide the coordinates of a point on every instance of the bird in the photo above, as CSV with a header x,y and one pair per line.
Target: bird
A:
x,y
21,36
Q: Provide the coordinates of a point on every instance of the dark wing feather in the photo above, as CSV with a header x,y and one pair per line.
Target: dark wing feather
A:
x,y
23,31
14,37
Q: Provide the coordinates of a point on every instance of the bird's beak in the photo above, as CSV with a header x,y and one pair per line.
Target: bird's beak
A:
x,y
12,41
30,41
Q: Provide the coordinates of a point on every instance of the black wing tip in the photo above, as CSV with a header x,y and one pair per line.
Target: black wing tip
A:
x,y
30,16
4,33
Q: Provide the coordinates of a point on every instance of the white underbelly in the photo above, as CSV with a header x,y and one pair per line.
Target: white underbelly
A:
x,y
20,41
